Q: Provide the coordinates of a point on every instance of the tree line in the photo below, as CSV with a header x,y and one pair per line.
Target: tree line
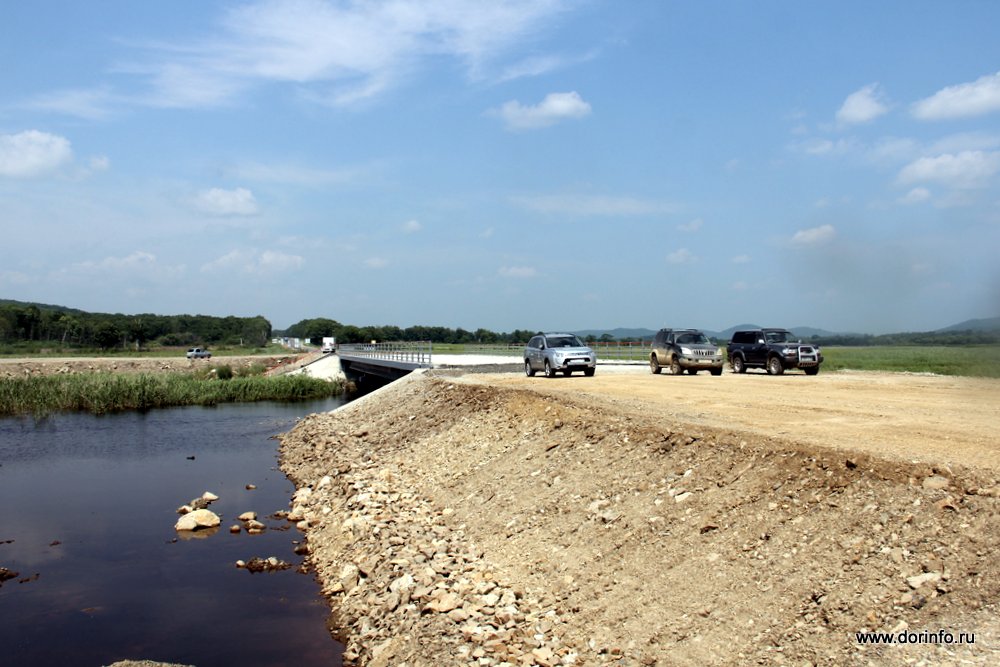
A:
x,y
38,323
314,330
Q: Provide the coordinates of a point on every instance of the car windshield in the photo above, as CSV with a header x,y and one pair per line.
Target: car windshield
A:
x,y
694,338
780,337
563,341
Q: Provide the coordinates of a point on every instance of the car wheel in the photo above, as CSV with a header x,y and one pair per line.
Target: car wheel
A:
x,y
774,366
654,364
811,370
675,367
589,372
549,371
738,365
528,370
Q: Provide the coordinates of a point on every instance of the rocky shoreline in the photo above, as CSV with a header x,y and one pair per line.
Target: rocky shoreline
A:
x,y
451,522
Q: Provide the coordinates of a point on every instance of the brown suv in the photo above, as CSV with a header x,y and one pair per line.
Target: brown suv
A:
x,y
680,350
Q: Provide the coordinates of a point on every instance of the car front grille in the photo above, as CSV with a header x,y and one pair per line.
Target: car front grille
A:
x,y
704,353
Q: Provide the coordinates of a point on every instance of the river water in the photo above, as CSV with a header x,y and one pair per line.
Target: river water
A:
x,y
87,512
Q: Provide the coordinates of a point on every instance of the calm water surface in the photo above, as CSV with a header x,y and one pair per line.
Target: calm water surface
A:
x,y
87,509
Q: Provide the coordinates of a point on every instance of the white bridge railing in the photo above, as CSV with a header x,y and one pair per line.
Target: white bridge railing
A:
x,y
418,352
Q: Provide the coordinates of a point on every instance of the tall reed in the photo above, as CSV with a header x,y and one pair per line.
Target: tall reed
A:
x,y
113,392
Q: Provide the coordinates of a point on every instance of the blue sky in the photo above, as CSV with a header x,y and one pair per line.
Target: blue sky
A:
x,y
522,165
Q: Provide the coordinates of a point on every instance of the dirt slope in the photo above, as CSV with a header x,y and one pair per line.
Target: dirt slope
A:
x,y
640,520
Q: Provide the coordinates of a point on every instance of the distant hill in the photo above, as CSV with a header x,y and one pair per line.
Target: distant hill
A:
x,y
986,324
42,306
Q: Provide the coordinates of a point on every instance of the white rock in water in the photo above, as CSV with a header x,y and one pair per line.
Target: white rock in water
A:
x,y
209,496
198,519
247,516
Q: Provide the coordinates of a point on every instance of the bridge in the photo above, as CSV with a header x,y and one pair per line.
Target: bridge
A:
x,y
389,361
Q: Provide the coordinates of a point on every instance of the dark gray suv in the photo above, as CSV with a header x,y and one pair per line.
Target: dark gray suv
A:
x,y
680,350
555,352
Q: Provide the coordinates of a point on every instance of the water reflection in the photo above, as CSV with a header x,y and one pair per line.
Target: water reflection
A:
x,y
89,504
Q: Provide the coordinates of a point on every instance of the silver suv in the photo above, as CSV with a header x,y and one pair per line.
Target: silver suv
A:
x,y
680,350
554,352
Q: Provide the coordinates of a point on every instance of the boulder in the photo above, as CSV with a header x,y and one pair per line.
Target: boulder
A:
x,y
198,519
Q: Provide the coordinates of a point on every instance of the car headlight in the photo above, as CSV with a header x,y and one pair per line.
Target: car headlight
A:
x,y
788,350
686,351
558,356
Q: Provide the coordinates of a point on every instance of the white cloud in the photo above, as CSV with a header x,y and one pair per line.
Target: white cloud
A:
x,y
338,53
862,106
412,226
681,256
980,97
965,170
741,259
376,263
592,205
32,153
227,202
814,235
519,272
554,108
691,226
915,196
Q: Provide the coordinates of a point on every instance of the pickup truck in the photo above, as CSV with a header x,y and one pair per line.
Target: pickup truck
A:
x,y
198,353
775,350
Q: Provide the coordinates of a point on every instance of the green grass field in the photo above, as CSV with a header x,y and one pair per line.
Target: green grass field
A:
x,y
970,360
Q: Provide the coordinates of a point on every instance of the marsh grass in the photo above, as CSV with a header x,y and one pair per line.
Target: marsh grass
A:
x,y
100,393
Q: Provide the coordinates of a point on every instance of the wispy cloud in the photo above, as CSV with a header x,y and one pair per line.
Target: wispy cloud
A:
x,y
592,205
554,108
965,170
915,196
336,53
977,98
33,153
227,202
681,256
290,174
255,262
814,236
692,226
863,106
376,263
518,272
97,103
139,264
539,65
411,227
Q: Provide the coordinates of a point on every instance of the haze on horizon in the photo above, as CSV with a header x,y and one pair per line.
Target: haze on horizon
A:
x,y
511,165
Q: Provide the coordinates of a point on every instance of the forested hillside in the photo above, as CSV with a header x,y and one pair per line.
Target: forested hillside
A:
x,y
22,322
